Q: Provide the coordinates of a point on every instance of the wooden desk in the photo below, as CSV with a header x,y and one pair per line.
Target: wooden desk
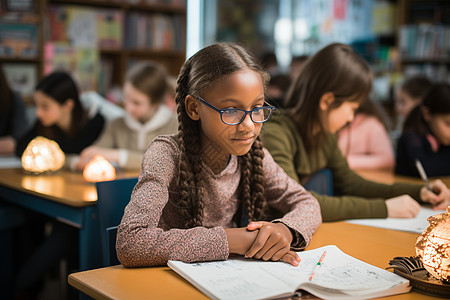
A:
x,y
389,177
64,196
372,245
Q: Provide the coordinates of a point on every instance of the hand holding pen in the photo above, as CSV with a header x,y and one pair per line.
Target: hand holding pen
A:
x,y
435,193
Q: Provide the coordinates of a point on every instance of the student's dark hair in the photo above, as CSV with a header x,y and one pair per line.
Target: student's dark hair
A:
x,y
61,87
6,94
199,73
338,69
416,86
149,78
437,101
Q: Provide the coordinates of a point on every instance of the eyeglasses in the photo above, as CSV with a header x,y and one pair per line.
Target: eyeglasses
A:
x,y
235,116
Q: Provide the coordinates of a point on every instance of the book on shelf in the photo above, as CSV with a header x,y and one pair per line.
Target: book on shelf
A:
x,y
82,63
18,40
339,276
109,29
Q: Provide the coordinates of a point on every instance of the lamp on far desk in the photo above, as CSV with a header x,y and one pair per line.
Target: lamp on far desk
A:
x,y
99,169
42,155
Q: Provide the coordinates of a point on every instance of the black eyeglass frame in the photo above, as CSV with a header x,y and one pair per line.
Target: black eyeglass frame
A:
x,y
246,112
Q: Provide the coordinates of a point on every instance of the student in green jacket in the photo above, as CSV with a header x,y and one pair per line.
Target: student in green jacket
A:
x,y
302,140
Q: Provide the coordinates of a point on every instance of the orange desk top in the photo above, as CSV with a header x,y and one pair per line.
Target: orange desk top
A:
x,y
64,186
372,245
389,177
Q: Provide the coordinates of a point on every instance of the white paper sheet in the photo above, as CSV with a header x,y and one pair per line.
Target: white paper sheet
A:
x,y
416,225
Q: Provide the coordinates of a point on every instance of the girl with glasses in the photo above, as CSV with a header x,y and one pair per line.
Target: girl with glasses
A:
x,y
324,97
199,189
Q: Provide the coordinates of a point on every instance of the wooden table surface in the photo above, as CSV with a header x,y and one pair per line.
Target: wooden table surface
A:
x,y
64,186
372,245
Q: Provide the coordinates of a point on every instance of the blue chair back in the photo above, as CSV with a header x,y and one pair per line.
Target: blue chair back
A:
x,y
321,182
112,197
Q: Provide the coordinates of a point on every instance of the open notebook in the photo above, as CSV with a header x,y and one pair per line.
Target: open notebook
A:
x,y
340,276
416,225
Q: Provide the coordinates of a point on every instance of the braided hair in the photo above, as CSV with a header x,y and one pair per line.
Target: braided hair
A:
x,y
199,73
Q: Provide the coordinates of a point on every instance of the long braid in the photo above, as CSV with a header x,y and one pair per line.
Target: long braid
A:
x,y
199,73
190,177
252,182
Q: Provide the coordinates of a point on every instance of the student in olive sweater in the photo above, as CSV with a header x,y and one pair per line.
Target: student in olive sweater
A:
x,y
302,140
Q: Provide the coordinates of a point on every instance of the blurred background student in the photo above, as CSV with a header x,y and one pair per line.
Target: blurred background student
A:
x,y
61,117
302,140
410,94
426,135
365,141
13,120
125,139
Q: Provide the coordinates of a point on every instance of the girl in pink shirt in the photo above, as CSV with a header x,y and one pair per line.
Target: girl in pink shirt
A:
x,y
365,141
198,189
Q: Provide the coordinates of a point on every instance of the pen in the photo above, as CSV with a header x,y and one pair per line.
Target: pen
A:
x,y
422,173
319,263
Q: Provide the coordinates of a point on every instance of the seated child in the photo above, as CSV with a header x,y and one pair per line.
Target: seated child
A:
x,y
365,141
61,117
198,188
126,138
426,136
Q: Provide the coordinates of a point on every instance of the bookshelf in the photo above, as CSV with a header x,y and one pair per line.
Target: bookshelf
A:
x,y
98,40
424,37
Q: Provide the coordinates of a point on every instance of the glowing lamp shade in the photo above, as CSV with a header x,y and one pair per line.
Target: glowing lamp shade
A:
x,y
42,155
433,246
99,169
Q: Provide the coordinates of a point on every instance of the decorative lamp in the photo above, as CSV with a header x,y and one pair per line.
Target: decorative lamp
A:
x,y
433,246
42,155
99,169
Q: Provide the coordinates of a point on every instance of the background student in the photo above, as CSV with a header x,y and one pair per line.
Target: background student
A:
x,y
426,135
198,185
126,138
61,117
302,140
13,120
365,142
409,95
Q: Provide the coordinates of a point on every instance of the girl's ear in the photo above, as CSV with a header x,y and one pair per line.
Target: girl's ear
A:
x,y
426,113
191,105
326,100
69,104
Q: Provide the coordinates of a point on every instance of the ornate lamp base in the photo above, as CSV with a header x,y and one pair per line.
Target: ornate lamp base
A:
x,y
412,269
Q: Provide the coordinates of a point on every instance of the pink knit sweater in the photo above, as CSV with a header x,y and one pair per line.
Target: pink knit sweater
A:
x,y
366,144
151,231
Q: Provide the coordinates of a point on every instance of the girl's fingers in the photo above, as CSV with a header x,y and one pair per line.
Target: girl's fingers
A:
x,y
270,248
258,244
279,254
255,225
291,258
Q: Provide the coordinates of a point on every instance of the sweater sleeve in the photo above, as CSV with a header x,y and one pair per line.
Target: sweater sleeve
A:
x,y
140,242
358,197
301,211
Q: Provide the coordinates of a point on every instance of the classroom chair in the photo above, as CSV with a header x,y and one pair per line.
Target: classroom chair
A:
x,y
321,182
112,197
